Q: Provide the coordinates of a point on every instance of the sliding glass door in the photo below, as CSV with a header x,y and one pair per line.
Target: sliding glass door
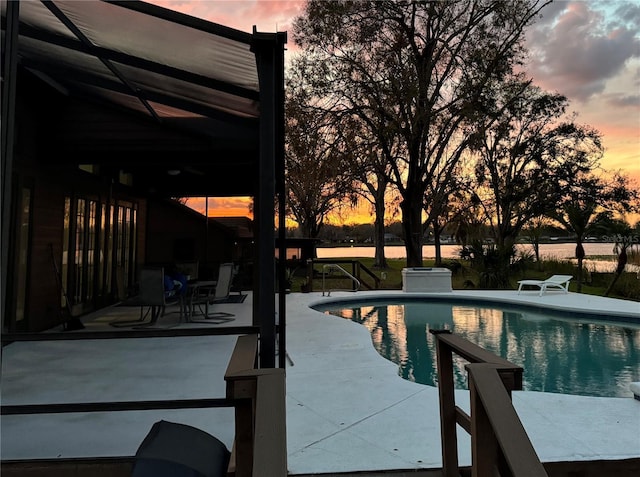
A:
x,y
98,252
22,263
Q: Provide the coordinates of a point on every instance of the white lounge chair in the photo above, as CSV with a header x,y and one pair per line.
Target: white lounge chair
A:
x,y
556,282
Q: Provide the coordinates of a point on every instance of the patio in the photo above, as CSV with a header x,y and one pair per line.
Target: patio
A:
x,y
347,408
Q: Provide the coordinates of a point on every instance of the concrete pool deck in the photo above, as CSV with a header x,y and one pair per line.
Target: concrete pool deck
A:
x,y
347,408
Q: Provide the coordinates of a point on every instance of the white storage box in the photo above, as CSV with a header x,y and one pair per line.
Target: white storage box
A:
x,y
426,279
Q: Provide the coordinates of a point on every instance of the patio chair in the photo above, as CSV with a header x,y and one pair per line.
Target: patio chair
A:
x,y
202,297
189,269
152,296
555,282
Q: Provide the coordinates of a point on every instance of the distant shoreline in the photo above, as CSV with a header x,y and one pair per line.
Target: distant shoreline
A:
x,y
401,244
599,256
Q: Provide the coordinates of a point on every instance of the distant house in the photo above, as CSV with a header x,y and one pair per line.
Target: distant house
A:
x,y
390,238
182,234
298,250
241,230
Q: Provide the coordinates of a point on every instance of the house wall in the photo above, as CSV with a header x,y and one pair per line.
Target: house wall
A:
x,y
40,285
35,295
44,302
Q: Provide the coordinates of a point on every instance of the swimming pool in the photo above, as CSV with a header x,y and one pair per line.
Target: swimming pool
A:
x,y
560,352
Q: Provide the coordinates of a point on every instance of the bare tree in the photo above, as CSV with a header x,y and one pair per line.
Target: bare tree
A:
x,y
370,167
445,201
525,155
317,163
417,68
376,183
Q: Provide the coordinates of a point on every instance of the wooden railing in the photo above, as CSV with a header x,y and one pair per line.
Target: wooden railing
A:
x,y
499,443
258,396
358,270
260,444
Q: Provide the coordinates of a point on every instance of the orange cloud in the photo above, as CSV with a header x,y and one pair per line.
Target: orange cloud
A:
x,y
222,206
622,149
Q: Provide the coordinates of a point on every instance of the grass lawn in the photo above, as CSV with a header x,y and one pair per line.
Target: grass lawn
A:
x,y
464,277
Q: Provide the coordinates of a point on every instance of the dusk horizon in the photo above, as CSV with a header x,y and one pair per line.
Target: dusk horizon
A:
x,y
589,52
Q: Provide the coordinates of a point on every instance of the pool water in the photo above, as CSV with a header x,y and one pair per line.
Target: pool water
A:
x,y
560,353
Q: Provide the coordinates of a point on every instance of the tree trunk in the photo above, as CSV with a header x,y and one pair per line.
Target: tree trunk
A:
x,y
378,237
412,227
536,250
622,263
437,245
580,256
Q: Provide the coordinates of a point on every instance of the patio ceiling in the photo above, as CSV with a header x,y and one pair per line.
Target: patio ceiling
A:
x,y
144,90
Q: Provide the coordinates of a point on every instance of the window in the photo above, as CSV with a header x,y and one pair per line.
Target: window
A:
x,y
98,246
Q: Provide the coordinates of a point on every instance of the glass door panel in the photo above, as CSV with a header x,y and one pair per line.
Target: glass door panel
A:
x,y
24,234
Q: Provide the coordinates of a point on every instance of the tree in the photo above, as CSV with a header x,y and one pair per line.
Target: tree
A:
x,y
371,169
376,183
317,168
416,68
537,226
444,203
624,245
588,202
470,233
526,158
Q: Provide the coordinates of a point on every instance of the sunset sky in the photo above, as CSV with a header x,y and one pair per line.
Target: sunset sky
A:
x,y
586,50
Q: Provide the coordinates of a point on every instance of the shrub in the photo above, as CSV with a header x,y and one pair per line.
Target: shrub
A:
x,y
491,262
627,286
454,265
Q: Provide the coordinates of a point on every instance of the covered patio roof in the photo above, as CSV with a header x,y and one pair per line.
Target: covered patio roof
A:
x,y
180,106
174,100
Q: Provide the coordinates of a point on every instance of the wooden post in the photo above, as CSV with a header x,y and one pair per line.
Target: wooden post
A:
x,y
270,426
243,443
446,391
310,275
260,445
484,447
498,438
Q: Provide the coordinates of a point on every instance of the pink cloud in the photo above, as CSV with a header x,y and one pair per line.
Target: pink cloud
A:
x,y
281,11
267,15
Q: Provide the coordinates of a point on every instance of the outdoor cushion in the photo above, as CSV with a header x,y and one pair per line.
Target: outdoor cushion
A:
x,y
177,450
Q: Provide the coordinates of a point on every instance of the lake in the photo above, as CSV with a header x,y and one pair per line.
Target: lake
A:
x,y
558,251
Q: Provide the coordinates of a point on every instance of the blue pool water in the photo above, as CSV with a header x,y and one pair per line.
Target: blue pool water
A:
x,y
560,352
